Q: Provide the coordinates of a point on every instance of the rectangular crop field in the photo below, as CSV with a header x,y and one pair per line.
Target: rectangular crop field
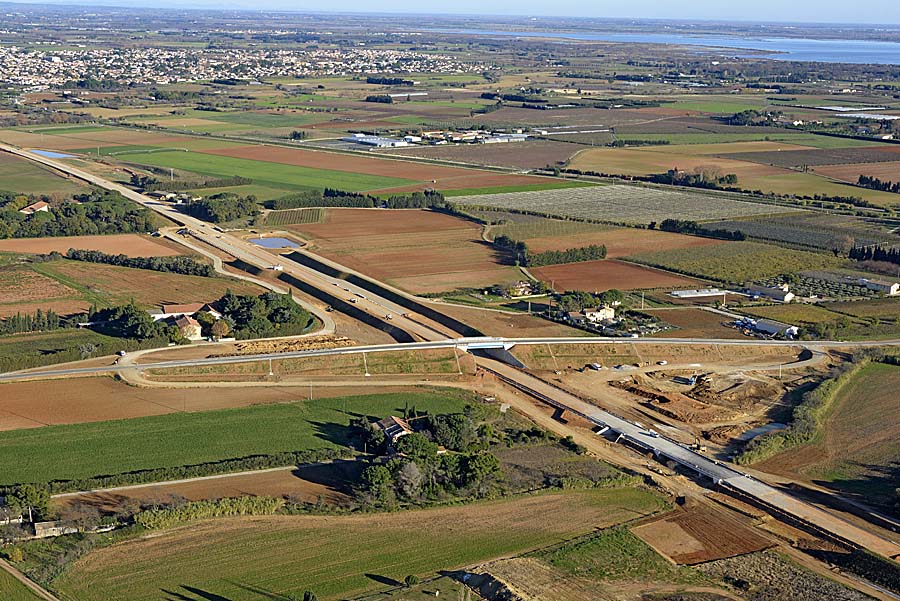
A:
x,y
552,234
294,216
133,245
419,251
622,204
109,285
24,177
736,262
694,322
880,308
597,276
267,173
91,449
212,556
812,229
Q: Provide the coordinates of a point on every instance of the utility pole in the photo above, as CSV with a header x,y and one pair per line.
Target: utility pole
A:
x,y
271,373
642,300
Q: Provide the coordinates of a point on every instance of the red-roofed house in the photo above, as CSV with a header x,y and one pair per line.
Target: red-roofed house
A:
x,y
36,207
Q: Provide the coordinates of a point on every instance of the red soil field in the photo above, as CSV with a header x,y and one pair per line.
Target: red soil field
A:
x,y
597,276
133,245
419,251
850,173
53,402
621,242
448,178
700,534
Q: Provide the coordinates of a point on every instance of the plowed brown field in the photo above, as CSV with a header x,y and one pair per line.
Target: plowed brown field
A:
x,y
133,245
53,402
596,276
850,173
621,242
418,251
699,535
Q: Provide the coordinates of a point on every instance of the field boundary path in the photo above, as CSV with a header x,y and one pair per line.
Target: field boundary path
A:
x,y
32,586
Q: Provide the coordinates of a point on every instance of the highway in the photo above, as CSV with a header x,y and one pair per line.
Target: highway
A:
x,y
250,253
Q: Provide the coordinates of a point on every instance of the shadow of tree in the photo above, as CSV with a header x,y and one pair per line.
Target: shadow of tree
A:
x,y
383,580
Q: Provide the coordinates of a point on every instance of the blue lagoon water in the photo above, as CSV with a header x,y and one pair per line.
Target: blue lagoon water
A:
x,y
795,49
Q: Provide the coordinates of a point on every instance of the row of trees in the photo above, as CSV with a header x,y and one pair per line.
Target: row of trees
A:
x,y
523,256
178,264
874,183
96,212
148,182
220,208
40,321
330,197
875,253
693,228
700,177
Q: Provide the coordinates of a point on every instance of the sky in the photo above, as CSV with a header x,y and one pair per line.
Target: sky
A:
x,y
820,11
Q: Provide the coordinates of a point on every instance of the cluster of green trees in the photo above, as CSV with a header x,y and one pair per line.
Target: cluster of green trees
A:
x,y
92,213
752,117
40,321
419,473
693,228
576,300
524,257
268,314
131,321
177,264
388,81
220,208
382,98
698,178
875,253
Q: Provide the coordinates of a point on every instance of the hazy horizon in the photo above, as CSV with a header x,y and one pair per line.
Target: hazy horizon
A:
x,y
883,12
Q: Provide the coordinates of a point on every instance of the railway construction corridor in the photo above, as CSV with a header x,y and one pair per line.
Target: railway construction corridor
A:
x,y
721,474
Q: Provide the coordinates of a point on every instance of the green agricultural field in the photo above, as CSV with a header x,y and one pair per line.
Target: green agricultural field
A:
x,y
91,449
13,590
614,555
259,119
888,308
274,175
295,216
19,175
726,105
736,262
340,557
544,228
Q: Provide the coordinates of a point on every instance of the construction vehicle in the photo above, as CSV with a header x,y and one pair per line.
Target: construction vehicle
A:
x,y
697,446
